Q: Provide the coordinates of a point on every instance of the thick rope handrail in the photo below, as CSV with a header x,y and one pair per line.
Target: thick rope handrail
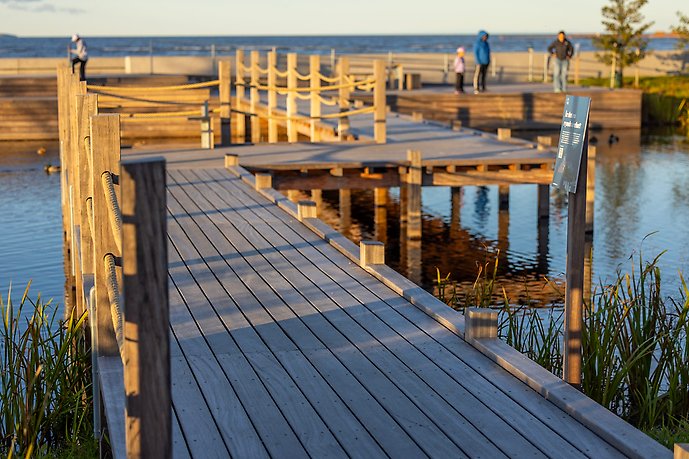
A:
x,y
139,99
301,77
349,113
281,74
359,111
261,70
329,79
281,90
304,96
366,87
331,102
115,214
182,114
205,84
115,299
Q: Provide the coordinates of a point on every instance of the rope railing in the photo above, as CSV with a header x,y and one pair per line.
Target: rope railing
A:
x,y
114,268
304,96
282,90
329,102
115,300
328,79
205,84
301,76
140,99
179,114
114,214
318,83
344,114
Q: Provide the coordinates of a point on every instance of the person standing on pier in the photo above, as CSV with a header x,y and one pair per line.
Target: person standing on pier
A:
x,y
81,56
562,51
459,71
482,55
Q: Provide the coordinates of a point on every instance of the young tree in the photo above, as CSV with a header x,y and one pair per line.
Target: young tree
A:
x,y
682,32
623,42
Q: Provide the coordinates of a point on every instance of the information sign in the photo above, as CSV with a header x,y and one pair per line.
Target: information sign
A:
x,y
571,145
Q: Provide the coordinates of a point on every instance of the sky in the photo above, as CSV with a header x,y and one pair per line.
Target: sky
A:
x,y
309,17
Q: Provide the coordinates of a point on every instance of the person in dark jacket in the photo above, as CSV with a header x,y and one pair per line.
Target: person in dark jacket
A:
x,y
561,51
482,57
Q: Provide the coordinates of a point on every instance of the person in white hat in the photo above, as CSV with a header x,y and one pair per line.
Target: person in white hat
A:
x,y
459,71
81,56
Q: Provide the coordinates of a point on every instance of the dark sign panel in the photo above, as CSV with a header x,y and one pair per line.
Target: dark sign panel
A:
x,y
575,120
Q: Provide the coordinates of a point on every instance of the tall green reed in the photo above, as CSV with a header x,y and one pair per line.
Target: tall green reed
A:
x,y
635,342
45,386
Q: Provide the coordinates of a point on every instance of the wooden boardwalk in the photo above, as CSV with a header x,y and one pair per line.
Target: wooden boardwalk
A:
x,y
283,346
449,158
283,339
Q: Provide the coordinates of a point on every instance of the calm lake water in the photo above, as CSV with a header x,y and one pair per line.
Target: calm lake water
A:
x,y
204,46
642,187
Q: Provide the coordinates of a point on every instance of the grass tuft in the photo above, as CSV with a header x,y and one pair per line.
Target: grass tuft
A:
x,y
45,387
635,343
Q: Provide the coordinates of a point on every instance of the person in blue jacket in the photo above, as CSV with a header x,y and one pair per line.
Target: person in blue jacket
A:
x,y
482,57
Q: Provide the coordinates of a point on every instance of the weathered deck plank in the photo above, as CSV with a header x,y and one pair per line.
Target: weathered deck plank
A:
x,y
330,298
269,419
304,332
470,383
281,345
294,327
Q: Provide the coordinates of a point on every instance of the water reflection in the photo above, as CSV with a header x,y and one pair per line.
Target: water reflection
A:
x,y
642,185
641,188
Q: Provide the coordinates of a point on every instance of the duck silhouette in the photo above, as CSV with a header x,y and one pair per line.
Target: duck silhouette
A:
x,y
613,139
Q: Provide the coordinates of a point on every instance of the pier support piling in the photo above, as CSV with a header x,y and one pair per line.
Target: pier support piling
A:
x,y
413,184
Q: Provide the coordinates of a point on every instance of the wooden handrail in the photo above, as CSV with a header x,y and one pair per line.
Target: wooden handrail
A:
x,y
119,266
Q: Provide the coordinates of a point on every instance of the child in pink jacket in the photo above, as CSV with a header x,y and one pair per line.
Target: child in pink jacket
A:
x,y
459,71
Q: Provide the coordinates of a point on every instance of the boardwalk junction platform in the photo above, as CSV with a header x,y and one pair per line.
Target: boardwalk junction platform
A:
x,y
229,321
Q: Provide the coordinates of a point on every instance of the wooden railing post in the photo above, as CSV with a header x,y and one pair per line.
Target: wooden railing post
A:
x,y
254,94
105,156
87,106
68,88
239,93
315,79
504,133
590,189
78,88
272,97
379,103
225,88
148,425
343,99
292,134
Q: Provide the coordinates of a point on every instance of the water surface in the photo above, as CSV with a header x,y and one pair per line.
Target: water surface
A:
x,y
642,189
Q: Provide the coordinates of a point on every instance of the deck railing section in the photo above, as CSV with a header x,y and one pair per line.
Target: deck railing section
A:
x,y
159,104
315,87
115,235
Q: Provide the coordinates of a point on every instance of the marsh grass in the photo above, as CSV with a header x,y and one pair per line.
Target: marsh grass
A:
x,y
635,343
665,98
45,387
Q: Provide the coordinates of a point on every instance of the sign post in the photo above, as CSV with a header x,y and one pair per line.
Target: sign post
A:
x,y
570,175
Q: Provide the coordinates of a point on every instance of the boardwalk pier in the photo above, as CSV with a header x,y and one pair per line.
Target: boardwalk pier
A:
x,y
284,338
